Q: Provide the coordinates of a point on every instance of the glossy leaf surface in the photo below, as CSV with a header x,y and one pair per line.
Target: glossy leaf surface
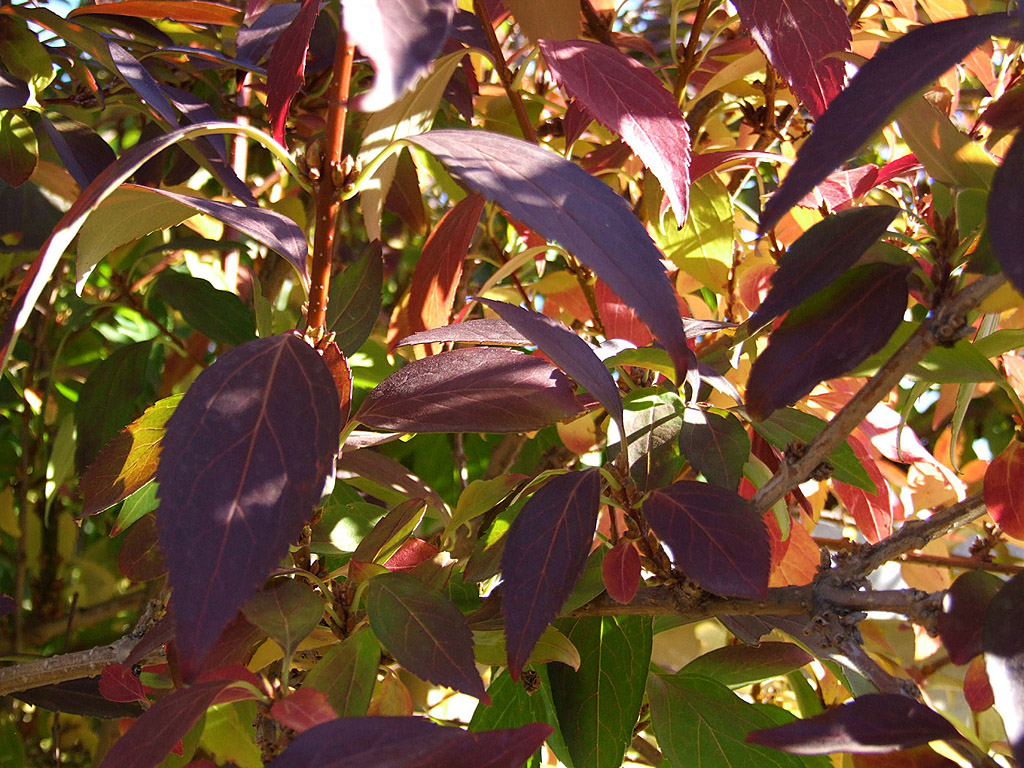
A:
x,y
1004,489
715,537
545,552
491,330
243,462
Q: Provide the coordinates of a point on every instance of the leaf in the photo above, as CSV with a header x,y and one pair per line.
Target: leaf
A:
x,y
874,722
512,707
140,558
135,507
286,66
1004,489
827,335
355,300
716,445
288,610
303,709
947,154
438,270
920,56
715,537
798,38
553,19
1006,214
491,330
789,426
82,151
598,705
623,95
421,627
347,674
192,12
872,511
18,149
128,461
14,92
703,247
1004,659
226,518
621,571
221,315
693,715
978,691
566,350
119,683
736,666
545,552
481,496
962,618
390,531
471,390
401,39
652,423
564,203
408,742
820,255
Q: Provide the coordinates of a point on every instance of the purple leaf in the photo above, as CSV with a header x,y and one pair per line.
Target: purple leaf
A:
x,y
1004,659
920,57
545,552
828,335
287,610
425,632
471,390
566,350
119,683
142,83
491,330
564,203
254,41
1006,214
797,37
7,605
620,571
82,151
715,537
623,95
14,93
401,38
875,722
287,65
963,614
78,697
409,742
716,445
243,463
820,255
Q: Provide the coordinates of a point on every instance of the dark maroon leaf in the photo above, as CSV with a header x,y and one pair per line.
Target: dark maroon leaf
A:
x,y
566,350
564,203
620,570
865,105
401,38
119,683
471,390
575,121
623,95
963,614
254,41
7,605
739,665
820,255
491,330
233,648
797,37
152,737
425,632
142,83
715,537
716,445
545,552
875,722
828,335
1003,640
1006,112
409,742
140,558
82,151
159,634
355,300
78,697
1006,214
243,463
287,65
14,93
287,610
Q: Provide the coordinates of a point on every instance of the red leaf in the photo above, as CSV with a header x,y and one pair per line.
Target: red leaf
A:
x,y
963,614
623,95
303,709
342,375
871,511
1004,489
471,390
875,722
1006,214
545,552
797,37
564,203
827,335
192,12
841,187
620,570
920,57
119,683
412,552
715,537
409,742
287,66
977,689
425,632
243,463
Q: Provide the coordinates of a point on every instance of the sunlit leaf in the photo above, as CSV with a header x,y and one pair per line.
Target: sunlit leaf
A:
x,y
221,315
621,571
303,709
287,65
491,330
192,12
1004,489
18,150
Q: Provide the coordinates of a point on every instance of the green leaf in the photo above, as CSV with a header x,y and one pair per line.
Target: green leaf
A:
x,y
961,363
12,747
230,734
788,425
716,444
489,648
287,611
390,531
221,315
19,151
347,674
135,507
481,496
703,247
738,665
694,716
598,705
355,301
22,53
947,154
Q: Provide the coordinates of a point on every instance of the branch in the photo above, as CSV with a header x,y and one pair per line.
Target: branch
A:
x,y
944,323
504,74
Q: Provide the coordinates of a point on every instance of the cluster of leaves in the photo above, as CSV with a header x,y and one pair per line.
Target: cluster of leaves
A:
x,y
522,364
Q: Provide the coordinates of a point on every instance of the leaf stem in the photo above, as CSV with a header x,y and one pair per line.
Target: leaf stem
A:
x,y
504,74
689,61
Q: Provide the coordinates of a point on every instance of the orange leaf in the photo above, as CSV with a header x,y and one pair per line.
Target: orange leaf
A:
x,y
800,562
192,12
1004,489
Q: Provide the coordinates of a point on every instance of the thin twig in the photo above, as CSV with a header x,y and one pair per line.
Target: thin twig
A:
x,y
686,66
504,74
